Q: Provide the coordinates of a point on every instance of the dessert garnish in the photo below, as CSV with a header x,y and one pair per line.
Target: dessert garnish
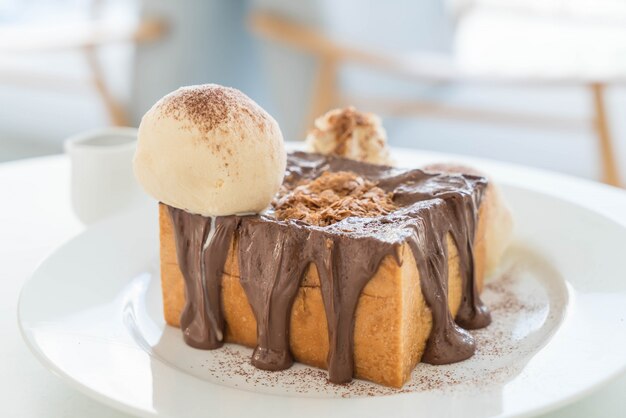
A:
x,y
350,134
332,197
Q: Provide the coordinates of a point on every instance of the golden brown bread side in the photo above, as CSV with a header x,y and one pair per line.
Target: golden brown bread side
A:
x,y
392,321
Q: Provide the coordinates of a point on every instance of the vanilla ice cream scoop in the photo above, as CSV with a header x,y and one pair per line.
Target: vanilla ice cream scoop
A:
x,y
210,150
350,134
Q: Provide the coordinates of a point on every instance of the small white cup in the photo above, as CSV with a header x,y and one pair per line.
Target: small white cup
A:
x,y
102,178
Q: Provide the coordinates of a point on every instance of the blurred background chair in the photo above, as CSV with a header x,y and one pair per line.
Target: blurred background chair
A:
x,y
486,54
84,36
516,80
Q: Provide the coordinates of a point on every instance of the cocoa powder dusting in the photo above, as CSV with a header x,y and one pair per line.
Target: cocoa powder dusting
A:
x,y
331,198
343,124
208,106
493,363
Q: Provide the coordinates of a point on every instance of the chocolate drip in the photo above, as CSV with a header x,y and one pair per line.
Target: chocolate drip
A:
x,y
448,343
271,275
345,266
272,261
201,248
472,313
274,256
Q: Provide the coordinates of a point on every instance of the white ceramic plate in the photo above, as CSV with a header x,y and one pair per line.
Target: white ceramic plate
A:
x,y
92,314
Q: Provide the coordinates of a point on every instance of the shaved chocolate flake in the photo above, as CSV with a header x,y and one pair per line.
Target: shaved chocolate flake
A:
x,y
331,198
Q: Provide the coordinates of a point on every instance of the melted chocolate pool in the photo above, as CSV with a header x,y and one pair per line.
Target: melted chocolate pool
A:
x,y
274,255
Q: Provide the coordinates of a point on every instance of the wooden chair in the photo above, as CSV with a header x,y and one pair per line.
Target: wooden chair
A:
x,y
85,37
331,54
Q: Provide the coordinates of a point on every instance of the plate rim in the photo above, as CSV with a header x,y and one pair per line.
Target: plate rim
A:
x,y
124,407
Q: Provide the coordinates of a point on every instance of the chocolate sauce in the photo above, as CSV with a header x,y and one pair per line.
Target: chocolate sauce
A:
x,y
202,246
274,256
271,264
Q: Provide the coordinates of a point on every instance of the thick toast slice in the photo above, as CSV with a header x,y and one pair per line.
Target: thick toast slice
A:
x,y
392,320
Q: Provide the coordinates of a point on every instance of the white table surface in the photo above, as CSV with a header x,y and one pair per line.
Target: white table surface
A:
x,y
36,216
